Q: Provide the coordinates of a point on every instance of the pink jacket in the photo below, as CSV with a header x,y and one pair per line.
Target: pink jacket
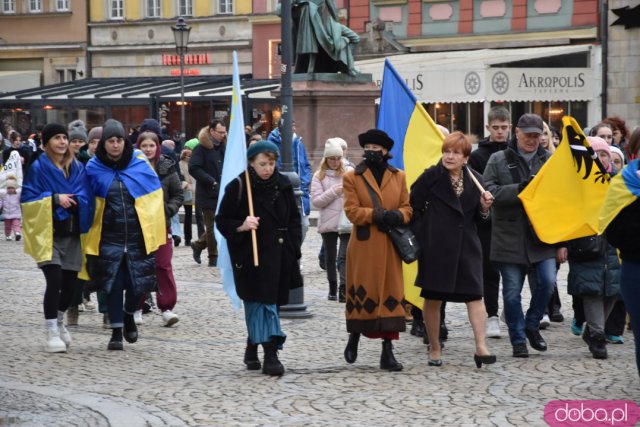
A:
x,y
325,199
10,205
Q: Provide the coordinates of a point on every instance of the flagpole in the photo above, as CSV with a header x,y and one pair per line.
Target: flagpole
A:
x,y
254,237
475,181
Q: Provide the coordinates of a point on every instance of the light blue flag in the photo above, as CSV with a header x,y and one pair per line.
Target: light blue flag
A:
x,y
235,162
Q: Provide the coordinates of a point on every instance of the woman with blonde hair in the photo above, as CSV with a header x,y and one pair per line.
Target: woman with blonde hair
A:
x,y
546,139
327,197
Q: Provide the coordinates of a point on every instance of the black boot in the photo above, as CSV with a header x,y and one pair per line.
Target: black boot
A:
x,y
130,329
351,351
387,359
116,340
597,344
272,365
333,291
342,294
251,356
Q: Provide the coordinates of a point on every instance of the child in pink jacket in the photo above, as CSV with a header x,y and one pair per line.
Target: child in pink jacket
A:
x,y
11,211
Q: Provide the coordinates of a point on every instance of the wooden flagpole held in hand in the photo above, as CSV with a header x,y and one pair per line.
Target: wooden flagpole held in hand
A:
x,y
475,181
254,237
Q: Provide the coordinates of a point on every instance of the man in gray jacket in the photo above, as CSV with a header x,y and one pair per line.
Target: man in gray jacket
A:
x,y
514,246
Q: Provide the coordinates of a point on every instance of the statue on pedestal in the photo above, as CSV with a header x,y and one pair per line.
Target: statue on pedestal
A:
x,y
321,43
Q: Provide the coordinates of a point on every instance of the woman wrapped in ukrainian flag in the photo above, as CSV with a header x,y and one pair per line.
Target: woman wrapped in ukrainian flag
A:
x,y
128,228
57,206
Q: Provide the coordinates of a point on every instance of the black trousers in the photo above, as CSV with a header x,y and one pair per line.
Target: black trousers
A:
x,y
59,290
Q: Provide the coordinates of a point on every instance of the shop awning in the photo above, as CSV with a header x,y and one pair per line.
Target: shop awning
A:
x,y
137,90
489,75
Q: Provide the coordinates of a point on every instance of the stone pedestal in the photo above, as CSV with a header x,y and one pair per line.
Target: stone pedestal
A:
x,y
325,107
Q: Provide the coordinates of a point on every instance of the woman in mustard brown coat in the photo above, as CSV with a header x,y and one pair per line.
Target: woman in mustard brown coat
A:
x,y
375,287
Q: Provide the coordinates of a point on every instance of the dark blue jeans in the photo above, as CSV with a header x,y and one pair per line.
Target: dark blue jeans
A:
x,y
115,297
630,290
512,282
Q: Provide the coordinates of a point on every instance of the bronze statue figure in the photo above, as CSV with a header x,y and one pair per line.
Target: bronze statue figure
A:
x,y
321,43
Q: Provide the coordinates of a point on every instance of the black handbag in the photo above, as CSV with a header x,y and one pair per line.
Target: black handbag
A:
x,y
586,248
403,239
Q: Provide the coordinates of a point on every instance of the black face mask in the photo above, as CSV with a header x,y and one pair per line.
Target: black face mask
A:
x,y
373,156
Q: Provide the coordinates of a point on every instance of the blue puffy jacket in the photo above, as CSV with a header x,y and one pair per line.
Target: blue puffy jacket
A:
x,y
301,165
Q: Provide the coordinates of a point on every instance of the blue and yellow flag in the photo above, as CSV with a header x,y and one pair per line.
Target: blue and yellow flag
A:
x,y
42,182
235,162
563,201
144,186
417,145
624,190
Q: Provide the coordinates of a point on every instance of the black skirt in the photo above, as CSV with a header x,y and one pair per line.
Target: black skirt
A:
x,y
448,296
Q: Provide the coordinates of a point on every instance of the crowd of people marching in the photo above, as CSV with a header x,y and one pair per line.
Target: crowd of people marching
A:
x,y
98,211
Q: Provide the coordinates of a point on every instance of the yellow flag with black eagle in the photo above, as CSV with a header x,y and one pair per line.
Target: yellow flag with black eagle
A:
x,y
563,200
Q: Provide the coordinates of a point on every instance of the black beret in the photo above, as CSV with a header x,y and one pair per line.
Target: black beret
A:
x,y
375,136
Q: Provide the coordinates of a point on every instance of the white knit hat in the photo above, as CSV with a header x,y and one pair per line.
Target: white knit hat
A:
x,y
332,148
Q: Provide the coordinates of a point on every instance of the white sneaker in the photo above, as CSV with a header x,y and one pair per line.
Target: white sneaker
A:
x,y
54,343
169,318
545,322
493,327
9,238
137,317
81,308
65,336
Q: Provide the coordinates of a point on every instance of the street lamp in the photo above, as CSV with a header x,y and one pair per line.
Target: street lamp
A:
x,y
181,35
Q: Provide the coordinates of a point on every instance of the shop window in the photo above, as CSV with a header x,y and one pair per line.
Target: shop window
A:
x,y
116,9
185,8
579,111
153,8
62,5
8,6
225,7
35,6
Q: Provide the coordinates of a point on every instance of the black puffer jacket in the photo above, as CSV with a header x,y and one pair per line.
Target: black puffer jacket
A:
x,y
122,237
171,187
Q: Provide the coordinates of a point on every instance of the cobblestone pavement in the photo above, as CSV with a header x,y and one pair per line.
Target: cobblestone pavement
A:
x,y
192,374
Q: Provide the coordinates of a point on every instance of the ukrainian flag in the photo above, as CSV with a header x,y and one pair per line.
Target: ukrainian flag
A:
x,y
235,162
38,211
145,187
623,190
417,145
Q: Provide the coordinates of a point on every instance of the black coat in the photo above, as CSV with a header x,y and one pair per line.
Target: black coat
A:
x,y
279,239
623,232
205,167
171,187
445,226
121,229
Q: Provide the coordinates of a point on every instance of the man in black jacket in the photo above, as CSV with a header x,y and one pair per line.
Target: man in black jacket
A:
x,y
205,167
499,127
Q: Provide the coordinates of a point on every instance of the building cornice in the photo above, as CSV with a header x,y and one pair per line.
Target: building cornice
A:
x,y
163,47
164,21
264,19
464,42
43,47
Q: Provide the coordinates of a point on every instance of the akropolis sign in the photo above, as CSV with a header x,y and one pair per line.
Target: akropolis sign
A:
x,y
497,84
539,84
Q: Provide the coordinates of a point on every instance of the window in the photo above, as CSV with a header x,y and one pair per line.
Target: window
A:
x,y
62,5
185,7
153,8
225,6
8,6
35,5
116,9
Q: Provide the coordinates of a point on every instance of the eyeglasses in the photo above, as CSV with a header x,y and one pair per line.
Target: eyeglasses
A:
x,y
334,159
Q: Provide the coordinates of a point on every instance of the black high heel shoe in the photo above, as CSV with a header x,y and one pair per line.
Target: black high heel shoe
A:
x,y
489,359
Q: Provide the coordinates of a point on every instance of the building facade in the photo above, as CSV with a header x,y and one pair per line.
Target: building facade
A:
x,y
42,42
